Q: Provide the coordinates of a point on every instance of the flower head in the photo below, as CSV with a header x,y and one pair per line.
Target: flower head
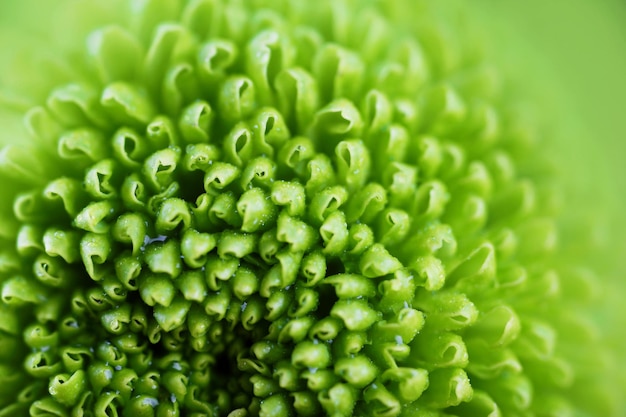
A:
x,y
283,208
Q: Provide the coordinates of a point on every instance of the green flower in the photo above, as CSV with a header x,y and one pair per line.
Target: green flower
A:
x,y
277,208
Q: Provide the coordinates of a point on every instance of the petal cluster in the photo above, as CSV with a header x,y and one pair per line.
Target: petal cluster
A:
x,y
282,208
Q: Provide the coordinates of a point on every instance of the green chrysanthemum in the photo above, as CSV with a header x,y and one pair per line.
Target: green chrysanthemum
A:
x,y
284,208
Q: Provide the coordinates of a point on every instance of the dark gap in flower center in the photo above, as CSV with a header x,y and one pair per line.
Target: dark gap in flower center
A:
x,y
192,186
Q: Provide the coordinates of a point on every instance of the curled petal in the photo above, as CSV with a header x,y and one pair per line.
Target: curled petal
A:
x,y
337,120
224,210
266,54
298,97
476,271
339,72
334,233
429,156
163,44
328,328
195,246
63,243
259,172
173,214
431,272
134,193
393,225
161,132
448,387
444,110
377,112
366,203
77,104
353,162
37,336
41,364
179,87
158,168
357,371
219,269
195,122
269,131
216,306
123,382
396,292
30,240
131,228
283,274
294,155
238,145
172,316
488,362
338,400
198,157
257,211
236,99
116,321
536,340
313,267
466,214
127,270
75,358
127,104
245,283
447,310
47,407
115,53
82,147
380,401
253,312
67,389
69,191
101,180
512,392
276,404
319,174
443,350
481,405
408,384
289,194
498,327
215,57
296,330
351,285
355,314
377,262
219,176
234,244
430,200
298,234
309,354
95,250
96,217
360,238
164,258
326,202
107,403
156,289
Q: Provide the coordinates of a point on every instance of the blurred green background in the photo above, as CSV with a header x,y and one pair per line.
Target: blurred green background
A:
x,y
573,54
